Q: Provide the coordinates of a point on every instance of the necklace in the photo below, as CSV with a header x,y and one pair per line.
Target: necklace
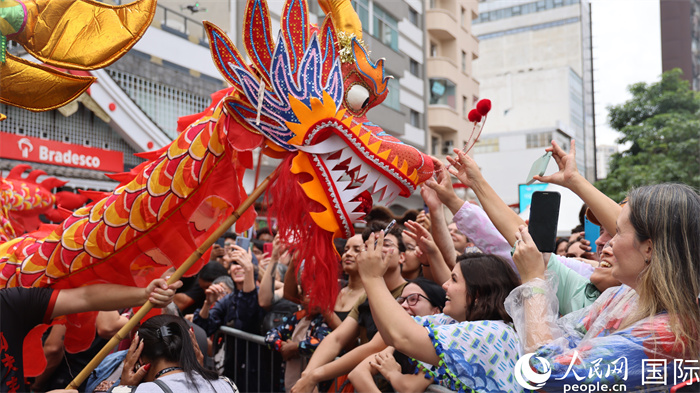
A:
x,y
166,370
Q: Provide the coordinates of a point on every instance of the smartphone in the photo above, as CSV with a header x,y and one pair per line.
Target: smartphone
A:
x,y
267,249
544,216
243,242
592,233
221,241
538,167
386,230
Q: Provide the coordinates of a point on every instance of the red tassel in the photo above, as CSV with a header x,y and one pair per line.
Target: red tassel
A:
x,y
291,207
483,106
474,116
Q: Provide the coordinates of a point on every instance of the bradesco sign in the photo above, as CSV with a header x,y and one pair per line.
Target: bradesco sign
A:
x,y
18,147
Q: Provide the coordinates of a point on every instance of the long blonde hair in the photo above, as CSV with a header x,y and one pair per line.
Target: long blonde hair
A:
x,y
669,215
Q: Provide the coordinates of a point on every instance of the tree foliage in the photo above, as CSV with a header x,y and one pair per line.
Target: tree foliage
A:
x,y
661,125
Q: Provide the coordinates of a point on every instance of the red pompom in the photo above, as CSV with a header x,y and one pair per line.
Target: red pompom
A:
x,y
474,116
483,106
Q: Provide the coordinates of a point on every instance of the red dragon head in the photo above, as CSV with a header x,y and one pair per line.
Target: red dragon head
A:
x,y
304,99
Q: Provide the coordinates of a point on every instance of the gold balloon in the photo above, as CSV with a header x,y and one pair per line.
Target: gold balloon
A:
x,y
37,87
73,34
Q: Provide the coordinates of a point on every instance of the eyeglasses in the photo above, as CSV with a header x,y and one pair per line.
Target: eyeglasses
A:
x,y
412,299
389,244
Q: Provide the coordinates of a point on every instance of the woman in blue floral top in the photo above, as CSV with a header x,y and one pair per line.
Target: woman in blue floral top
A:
x,y
471,347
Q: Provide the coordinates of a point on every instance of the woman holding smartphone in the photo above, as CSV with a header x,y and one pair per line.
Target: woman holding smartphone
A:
x,y
653,316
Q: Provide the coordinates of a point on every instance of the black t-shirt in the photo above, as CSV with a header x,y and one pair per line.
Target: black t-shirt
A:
x,y
21,309
197,294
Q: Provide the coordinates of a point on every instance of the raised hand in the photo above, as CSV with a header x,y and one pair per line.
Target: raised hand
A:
x,y
464,168
133,373
423,219
370,262
215,292
527,257
566,162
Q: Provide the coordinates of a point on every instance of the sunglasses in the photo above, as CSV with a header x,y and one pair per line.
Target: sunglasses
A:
x,y
412,299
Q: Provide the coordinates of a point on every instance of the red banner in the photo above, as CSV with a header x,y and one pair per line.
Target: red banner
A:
x,y
19,147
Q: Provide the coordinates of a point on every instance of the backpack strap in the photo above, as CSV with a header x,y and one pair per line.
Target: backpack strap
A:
x,y
163,386
230,382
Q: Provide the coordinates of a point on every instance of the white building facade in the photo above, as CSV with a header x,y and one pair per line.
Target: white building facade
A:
x,y
535,65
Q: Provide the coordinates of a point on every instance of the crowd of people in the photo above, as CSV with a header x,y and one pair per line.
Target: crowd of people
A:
x,y
426,305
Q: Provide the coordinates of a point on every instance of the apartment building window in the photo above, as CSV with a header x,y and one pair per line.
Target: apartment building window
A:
x,y
522,9
414,119
464,62
414,67
386,28
463,17
433,49
486,145
434,145
442,92
413,16
362,9
542,139
393,98
465,106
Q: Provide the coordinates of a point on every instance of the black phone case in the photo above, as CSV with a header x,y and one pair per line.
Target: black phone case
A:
x,y
544,216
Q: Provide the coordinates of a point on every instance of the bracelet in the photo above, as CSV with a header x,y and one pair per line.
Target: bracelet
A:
x,y
121,389
534,291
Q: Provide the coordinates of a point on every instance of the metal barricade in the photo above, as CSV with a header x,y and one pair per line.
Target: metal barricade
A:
x,y
250,363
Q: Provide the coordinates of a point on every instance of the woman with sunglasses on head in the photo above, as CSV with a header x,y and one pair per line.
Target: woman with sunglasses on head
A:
x,y
420,297
469,347
164,358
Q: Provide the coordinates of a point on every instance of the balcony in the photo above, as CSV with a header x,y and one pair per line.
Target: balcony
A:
x,y
443,119
441,24
441,66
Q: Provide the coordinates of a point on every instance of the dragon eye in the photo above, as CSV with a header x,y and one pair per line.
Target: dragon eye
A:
x,y
357,97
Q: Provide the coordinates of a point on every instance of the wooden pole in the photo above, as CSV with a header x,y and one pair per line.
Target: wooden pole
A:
x,y
148,306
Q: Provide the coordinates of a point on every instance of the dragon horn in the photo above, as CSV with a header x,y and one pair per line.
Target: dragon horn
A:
x,y
18,170
33,175
343,15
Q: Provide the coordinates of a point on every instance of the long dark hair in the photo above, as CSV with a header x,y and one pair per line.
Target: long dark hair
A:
x,y
174,346
489,280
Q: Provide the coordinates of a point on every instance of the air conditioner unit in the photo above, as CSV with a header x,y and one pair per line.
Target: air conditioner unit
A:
x,y
447,147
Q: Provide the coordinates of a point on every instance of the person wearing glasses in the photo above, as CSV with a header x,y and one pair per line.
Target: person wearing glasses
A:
x,y
471,346
359,323
420,297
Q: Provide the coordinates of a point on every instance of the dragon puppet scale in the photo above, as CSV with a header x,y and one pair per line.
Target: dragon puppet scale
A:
x,y
302,99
